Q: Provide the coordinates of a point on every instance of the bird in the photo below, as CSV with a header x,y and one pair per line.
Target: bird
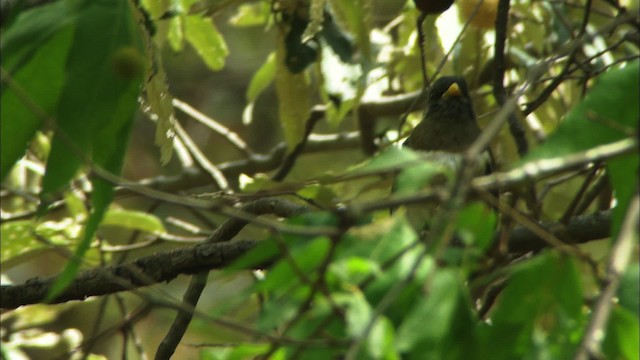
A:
x,y
447,129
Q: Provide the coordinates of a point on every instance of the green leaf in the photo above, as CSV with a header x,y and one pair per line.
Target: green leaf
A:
x,y
34,57
629,291
358,312
18,244
251,14
105,68
294,103
33,29
134,220
621,337
306,256
262,78
543,298
476,224
611,104
392,158
320,194
259,82
278,311
203,35
380,343
609,108
443,309
240,352
623,173
175,34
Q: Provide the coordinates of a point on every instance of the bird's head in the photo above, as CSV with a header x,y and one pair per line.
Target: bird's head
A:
x,y
449,98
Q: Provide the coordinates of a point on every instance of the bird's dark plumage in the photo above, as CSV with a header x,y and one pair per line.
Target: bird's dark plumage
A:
x,y
448,128
449,122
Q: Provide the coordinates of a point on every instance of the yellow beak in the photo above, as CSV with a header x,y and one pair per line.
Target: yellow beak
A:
x,y
453,90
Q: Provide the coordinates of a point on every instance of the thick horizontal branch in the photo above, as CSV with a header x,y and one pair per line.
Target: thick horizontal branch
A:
x,y
581,229
160,267
166,265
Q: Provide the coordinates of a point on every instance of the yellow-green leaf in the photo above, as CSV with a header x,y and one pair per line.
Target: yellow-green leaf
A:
x,y
293,98
203,35
134,220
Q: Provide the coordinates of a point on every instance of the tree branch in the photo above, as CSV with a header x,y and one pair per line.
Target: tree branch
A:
x,y
166,265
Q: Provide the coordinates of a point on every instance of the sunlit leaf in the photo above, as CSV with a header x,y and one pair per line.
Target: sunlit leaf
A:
x,y
259,82
203,35
134,220
251,14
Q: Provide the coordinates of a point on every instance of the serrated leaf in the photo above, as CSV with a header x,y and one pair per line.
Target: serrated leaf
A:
x,y
134,220
294,103
160,103
203,35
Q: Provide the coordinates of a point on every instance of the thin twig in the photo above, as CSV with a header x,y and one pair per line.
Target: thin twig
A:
x,y
213,170
231,136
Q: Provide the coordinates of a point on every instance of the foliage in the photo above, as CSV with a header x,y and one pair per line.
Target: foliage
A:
x,y
341,270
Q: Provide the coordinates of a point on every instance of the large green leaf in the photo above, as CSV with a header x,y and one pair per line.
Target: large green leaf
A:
x,y
33,49
105,68
445,309
542,301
